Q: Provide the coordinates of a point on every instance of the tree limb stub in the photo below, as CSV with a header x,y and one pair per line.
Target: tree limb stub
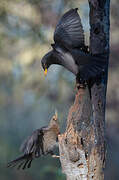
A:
x,y
82,146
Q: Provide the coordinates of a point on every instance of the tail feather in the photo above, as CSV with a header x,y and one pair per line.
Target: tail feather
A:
x,y
94,68
23,161
25,164
29,164
20,165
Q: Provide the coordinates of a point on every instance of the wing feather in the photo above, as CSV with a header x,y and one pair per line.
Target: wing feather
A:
x,y
69,31
94,68
32,148
33,143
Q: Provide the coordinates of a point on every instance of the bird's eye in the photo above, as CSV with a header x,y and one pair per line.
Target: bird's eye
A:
x,y
54,118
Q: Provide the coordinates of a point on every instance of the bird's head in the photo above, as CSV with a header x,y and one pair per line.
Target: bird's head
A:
x,y
46,62
52,57
54,119
54,124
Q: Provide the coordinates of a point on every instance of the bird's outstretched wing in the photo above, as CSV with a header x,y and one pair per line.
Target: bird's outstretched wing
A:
x,y
33,143
32,148
69,31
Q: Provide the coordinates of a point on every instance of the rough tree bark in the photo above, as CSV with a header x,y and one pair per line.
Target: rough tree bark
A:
x,y
82,146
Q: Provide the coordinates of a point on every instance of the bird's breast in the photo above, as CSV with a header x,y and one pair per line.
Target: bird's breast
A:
x,y
49,141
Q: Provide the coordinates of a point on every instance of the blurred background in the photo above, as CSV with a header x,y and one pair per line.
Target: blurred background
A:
x,y
28,99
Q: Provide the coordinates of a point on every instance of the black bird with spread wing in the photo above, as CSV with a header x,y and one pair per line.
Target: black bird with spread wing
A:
x,y
69,49
42,142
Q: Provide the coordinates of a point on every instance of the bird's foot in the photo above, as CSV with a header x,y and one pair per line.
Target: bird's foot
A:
x,y
55,156
79,85
80,82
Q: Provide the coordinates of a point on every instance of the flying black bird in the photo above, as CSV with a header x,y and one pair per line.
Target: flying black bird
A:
x,y
42,142
69,49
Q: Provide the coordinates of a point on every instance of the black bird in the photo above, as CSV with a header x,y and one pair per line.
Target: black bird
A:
x,y
69,49
42,142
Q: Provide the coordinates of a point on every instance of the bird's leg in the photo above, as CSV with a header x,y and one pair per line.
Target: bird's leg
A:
x,y
55,156
80,83
80,86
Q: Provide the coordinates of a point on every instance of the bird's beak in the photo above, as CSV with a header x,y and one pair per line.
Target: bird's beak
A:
x,y
45,71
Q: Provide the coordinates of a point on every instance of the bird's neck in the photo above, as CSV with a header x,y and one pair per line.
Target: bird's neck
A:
x,y
55,128
64,58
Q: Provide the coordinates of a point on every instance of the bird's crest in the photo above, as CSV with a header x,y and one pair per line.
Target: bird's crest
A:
x,y
56,114
55,117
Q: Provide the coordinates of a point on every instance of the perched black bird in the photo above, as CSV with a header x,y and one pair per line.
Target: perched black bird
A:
x,y
69,49
42,142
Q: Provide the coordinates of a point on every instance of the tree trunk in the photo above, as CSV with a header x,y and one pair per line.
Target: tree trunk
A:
x,y
82,146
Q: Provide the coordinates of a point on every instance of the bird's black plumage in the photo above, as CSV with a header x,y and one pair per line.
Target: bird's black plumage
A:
x,y
69,31
69,49
41,142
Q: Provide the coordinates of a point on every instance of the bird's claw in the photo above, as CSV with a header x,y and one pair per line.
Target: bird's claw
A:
x,y
80,85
